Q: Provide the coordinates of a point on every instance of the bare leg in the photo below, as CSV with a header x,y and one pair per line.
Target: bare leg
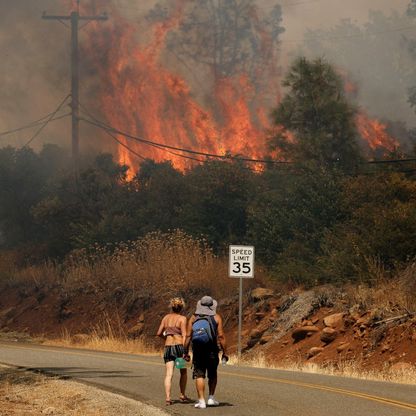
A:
x,y
212,384
182,382
200,388
168,378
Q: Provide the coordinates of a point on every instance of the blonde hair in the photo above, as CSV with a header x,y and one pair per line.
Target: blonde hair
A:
x,y
177,304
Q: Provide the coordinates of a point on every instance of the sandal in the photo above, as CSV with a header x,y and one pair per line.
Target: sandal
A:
x,y
185,399
169,402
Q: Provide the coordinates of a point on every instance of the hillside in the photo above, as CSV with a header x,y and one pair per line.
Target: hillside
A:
x,y
325,326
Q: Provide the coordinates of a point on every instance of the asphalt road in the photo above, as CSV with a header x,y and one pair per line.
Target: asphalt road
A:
x,y
242,391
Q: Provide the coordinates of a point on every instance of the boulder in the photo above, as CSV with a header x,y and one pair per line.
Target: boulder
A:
x,y
261,293
363,320
336,320
328,335
314,351
252,342
343,346
256,333
303,331
265,339
385,348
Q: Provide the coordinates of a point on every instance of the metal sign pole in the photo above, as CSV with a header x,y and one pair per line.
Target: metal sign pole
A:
x,y
240,318
241,265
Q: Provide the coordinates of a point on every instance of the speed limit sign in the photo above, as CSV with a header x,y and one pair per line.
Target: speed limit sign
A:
x,y
241,261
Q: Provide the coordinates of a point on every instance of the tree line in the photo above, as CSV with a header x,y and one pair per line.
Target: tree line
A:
x,y
325,217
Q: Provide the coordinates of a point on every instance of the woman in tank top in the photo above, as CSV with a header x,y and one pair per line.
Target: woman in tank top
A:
x,y
173,330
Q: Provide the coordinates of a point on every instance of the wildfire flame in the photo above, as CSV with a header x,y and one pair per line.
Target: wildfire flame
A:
x,y
375,133
139,95
147,100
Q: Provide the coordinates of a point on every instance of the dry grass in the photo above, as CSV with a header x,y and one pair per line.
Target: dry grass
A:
x,y
26,393
343,368
386,295
105,337
159,264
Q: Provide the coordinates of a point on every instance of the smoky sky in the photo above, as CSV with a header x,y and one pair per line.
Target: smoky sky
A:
x,y
35,56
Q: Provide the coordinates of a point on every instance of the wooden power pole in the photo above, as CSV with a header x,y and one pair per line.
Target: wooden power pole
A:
x,y
75,18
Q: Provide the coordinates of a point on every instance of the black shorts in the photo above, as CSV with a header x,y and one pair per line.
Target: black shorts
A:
x,y
205,362
172,352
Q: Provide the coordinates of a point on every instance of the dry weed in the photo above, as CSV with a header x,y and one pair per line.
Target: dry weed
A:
x,y
107,336
387,295
344,368
165,264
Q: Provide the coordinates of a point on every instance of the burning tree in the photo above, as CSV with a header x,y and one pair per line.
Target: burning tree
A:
x,y
319,115
141,91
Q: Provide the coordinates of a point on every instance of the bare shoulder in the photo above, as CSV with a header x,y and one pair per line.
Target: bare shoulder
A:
x,y
218,318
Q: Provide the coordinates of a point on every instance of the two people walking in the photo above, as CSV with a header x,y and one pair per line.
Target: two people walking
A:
x,y
205,332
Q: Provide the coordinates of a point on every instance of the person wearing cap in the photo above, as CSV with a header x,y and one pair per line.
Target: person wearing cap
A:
x,y
205,358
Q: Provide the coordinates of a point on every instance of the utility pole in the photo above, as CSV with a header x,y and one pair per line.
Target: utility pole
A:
x,y
75,18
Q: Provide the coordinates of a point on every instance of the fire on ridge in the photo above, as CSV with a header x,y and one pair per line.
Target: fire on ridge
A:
x,y
143,97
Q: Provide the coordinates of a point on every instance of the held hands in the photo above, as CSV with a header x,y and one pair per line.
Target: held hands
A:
x,y
187,357
224,359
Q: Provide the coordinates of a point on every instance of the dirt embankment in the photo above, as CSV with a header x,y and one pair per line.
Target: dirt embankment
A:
x,y
324,326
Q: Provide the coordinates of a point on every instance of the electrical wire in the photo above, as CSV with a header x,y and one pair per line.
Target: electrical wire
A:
x,y
125,146
46,122
32,124
194,152
390,161
158,147
142,157
161,146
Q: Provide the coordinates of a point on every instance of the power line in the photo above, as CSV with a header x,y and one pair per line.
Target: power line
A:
x,y
195,152
46,122
125,146
96,122
32,124
387,161
158,147
165,150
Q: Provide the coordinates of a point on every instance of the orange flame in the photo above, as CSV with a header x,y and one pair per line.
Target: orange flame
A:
x,y
147,100
375,133
139,95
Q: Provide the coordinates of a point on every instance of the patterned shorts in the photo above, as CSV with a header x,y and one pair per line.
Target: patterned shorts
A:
x,y
172,352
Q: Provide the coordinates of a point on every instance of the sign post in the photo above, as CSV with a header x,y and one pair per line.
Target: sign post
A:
x,y
241,265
